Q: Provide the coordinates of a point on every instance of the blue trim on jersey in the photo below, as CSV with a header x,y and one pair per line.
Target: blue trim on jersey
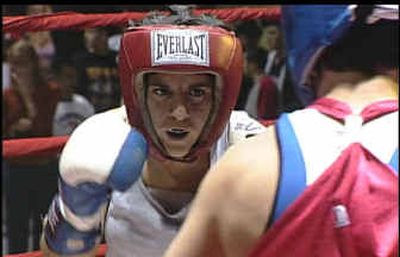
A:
x,y
292,180
394,161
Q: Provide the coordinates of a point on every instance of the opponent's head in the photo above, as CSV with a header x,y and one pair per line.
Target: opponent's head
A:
x,y
180,77
339,38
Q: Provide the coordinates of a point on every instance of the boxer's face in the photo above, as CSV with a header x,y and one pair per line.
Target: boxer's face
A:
x,y
179,106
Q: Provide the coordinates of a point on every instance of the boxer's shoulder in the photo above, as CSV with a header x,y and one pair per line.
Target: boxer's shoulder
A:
x,y
243,126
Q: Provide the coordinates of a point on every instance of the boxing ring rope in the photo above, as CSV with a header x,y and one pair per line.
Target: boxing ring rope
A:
x,y
101,252
17,25
73,20
38,147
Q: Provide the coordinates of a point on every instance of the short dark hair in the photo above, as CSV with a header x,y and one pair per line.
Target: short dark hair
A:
x,y
181,15
365,48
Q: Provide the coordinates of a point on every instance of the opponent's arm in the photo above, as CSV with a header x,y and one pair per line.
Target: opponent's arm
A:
x,y
233,203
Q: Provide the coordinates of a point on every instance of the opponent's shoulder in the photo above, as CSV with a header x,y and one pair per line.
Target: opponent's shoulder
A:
x,y
237,194
250,156
246,168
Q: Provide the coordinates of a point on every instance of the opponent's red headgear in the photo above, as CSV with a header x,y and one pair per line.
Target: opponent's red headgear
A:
x,y
180,48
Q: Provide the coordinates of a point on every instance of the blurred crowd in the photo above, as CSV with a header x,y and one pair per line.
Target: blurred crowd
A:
x,y
54,80
266,88
76,72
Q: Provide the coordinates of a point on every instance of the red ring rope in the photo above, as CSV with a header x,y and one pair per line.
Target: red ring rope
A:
x,y
101,252
73,20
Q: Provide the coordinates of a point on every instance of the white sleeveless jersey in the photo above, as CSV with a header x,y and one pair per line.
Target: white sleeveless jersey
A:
x,y
322,139
138,225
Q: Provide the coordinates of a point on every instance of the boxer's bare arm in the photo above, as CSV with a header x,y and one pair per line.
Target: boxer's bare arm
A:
x,y
232,207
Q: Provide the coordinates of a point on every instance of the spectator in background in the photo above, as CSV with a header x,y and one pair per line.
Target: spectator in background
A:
x,y
276,55
28,109
6,80
42,41
6,75
30,102
114,39
262,100
97,71
249,34
275,67
269,36
72,108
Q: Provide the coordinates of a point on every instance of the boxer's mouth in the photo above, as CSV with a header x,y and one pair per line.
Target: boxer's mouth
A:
x,y
177,133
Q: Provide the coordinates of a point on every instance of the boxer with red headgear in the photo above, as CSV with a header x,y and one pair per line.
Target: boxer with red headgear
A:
x,y
180,76
323,181
210,52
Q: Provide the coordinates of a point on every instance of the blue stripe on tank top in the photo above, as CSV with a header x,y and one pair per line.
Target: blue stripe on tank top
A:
x,y
394,162
292,181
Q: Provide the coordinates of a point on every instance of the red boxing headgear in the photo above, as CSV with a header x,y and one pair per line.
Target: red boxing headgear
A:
x,y
180,48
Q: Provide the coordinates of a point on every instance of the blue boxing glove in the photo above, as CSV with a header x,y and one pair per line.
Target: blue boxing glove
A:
x,y
103,154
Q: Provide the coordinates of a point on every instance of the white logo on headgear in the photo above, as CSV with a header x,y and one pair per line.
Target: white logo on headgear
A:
x,y
180,47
